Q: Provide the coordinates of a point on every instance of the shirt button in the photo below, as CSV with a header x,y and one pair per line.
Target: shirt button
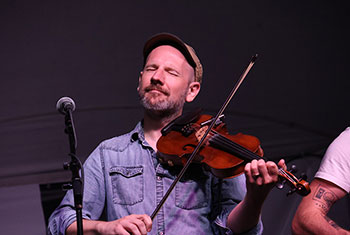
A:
x,y
159,179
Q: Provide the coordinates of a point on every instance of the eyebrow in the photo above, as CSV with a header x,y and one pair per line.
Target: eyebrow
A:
x,y
151,65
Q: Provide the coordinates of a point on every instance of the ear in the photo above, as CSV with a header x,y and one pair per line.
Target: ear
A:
x,y
140,77
193,90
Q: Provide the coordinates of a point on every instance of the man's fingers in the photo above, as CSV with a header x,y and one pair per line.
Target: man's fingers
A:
x,y
144,223
119,229
132,228
282,164
147,221
254,168
137,224
272,168
248,172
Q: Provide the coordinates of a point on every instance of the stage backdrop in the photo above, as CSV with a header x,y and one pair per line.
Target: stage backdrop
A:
x,y
295,99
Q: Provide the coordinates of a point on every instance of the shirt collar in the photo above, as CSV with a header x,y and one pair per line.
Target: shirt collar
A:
x,y
138,134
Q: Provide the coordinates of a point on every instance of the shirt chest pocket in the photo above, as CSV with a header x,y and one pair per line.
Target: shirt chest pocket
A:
x,y
127,184
192,194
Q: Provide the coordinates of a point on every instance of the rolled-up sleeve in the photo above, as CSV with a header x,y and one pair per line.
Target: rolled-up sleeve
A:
x,y
94,197
227,194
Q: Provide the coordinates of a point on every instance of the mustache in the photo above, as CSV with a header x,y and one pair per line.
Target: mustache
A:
x,y
157,88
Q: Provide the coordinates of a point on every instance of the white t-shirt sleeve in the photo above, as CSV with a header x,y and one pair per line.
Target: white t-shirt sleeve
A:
x,y
335,165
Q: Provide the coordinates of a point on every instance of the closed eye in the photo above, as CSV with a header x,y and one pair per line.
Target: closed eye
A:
x,y
151,68
173,72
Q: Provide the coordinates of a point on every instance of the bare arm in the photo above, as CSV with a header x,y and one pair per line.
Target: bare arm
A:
x,y
311,216
261,176
131,224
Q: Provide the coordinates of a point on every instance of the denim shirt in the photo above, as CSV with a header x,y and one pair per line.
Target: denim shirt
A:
x,y
123,177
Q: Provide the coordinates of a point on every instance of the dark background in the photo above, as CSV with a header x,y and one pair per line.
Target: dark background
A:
x,y
295,99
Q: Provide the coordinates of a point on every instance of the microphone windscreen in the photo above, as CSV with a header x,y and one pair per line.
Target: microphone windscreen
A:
x,y
64,104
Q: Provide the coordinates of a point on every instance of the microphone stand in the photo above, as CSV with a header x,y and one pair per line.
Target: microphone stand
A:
x,y
74,165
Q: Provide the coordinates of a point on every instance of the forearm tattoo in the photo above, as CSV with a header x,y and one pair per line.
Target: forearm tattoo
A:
x,y
324,199
332,223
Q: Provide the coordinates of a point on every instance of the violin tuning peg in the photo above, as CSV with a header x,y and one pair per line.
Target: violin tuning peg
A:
x,y
280,185
293,169
170,163
293,190
303,176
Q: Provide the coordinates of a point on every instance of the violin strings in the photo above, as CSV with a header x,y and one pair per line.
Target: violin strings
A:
x,y
217,138
237,149
291,179
230,145
283,173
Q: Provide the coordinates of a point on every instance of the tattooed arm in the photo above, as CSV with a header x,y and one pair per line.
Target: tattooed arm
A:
x,y
311,216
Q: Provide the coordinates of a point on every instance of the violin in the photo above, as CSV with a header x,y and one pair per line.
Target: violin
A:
x,y
224,155
192,138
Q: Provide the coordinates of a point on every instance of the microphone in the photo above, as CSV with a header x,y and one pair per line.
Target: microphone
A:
x,y
64,105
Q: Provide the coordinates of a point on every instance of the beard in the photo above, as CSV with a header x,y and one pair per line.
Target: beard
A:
x,y
160,105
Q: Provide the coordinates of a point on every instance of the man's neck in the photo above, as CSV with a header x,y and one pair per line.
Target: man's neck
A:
x,y
153,125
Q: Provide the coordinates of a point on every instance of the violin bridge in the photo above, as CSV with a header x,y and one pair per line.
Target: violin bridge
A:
x,y
200,133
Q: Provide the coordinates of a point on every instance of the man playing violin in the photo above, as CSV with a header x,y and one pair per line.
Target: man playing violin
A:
x,y
124,180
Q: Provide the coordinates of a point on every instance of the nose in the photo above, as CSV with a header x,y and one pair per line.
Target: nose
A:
x,y
158,77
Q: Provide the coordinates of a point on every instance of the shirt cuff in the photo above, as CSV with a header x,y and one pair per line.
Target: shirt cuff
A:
x,y
256,230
